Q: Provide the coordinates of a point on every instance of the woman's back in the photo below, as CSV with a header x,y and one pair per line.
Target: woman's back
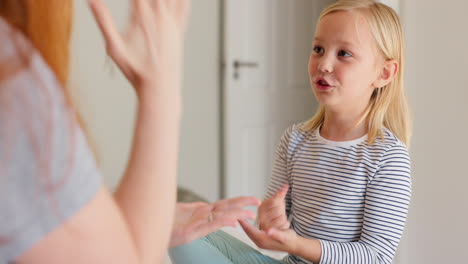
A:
x,y
47,171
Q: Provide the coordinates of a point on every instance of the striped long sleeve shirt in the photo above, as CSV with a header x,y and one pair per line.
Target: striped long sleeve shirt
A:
x,y
352,196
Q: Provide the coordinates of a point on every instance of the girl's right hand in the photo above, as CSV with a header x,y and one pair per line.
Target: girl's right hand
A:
x,y
150,52
272,211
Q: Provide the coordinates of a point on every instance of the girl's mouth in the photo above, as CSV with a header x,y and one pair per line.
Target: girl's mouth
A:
x,y
323,85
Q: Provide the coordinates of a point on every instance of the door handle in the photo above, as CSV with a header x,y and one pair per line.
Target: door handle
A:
x,y
243,64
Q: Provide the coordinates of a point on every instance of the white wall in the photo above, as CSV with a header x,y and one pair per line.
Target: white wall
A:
x,y
108,102
437,80
200,157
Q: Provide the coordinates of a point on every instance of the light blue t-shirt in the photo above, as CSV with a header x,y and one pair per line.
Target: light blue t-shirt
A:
x,y
47,171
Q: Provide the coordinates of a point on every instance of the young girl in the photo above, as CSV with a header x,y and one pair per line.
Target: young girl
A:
x,y
341,183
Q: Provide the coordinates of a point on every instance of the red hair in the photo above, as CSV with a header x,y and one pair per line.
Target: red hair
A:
x,y
47,24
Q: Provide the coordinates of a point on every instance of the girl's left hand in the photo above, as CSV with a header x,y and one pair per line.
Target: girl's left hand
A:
x,y
273,238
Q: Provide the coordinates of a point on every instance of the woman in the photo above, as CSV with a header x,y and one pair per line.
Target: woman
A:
x,y
54,208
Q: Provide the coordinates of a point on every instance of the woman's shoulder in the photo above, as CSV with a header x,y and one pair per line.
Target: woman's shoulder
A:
x,y
49,171
15,50
33,106
6,34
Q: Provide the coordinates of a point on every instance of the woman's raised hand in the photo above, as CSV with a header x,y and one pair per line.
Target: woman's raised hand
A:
x,y
150,51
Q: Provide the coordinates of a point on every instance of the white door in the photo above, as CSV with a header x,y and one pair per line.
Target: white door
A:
x,y
267,46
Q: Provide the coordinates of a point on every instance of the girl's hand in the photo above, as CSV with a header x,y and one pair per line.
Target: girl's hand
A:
x,y
196,220
272,212
150,51
272,239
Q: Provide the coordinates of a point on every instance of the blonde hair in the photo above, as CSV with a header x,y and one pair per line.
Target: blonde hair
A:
x,y
388,105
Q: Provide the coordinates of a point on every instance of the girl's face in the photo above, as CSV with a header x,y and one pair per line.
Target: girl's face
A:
x,y
345,62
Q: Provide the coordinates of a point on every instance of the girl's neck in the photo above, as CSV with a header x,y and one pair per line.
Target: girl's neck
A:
x,y
341,126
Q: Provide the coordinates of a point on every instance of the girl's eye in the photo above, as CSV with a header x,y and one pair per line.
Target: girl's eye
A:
x,y
343,53
318,50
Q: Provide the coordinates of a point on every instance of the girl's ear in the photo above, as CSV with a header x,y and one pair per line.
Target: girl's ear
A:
x,y
388,72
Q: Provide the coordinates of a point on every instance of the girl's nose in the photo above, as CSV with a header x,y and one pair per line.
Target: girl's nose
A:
x,y
325,64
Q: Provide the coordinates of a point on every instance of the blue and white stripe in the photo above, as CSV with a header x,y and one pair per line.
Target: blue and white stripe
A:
x,y
352,196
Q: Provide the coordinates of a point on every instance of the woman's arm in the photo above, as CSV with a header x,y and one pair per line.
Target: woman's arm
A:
x,y
134,224
147,193
151,58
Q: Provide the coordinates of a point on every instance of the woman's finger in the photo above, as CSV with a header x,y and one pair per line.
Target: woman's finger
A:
x,y
234,214
182,8
171,4
240,214
194,204
107,27
238,202
147,17
158,5
231,216
202,212
203,227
